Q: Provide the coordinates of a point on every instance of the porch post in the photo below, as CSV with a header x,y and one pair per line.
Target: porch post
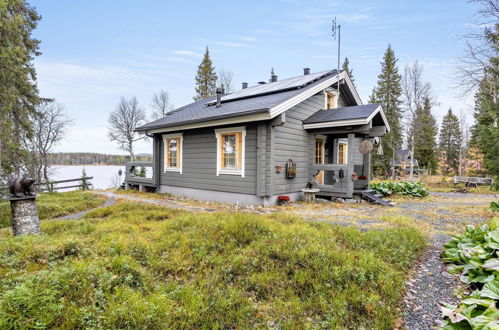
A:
x,y
350,165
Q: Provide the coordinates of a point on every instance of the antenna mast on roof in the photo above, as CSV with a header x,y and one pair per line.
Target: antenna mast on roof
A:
x,y
336,31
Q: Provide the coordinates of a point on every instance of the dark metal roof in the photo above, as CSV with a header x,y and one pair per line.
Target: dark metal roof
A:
x,y
202,110
277,86
346,113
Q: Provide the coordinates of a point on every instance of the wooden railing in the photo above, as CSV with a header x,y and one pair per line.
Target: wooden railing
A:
x,y
132,178
84,184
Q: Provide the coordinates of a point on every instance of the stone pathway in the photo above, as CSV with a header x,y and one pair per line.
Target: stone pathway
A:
x,y
75,216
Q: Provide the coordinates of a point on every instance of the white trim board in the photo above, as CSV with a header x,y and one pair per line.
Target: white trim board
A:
x,y
219,122
180,151
239,129
350,122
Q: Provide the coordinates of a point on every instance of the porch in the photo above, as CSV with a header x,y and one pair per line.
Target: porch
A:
x,y
342,141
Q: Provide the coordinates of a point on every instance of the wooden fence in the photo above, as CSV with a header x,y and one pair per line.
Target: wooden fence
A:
x,y
83,184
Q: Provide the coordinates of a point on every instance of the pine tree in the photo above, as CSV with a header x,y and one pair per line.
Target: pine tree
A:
x,y
425,135
388,92
18,90
206,78
450,140
346,68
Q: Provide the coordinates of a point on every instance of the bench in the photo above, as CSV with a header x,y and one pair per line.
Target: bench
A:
x,y
471,181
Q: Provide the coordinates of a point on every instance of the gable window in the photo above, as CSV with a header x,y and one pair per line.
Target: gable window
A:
x,y
173,152
331,100
230,150
342,152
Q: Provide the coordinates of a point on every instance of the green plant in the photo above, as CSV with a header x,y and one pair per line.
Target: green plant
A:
x,y
474,256
52,205
387,188
494,206
145,266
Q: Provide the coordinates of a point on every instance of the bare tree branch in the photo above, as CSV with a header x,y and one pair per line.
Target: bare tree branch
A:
x,y
49,127
225,80
161,105
122,124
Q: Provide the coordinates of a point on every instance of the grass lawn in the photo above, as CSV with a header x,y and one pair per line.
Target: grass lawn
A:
x,y
55,205
143,266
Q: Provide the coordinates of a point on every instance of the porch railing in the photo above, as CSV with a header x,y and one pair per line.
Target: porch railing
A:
x,y
343,185
139,173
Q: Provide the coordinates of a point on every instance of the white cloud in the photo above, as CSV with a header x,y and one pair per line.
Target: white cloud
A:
x,y
184,52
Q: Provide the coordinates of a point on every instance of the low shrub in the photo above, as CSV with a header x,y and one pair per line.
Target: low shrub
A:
x,y
122,268
474,255
387,188
55,205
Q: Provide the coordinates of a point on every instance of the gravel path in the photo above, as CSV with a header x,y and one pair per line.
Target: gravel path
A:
x,y
429,284
109,202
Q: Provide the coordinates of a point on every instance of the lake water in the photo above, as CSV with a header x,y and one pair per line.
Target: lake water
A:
x,y
104,176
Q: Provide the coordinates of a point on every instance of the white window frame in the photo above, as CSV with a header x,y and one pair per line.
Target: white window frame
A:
x,y
345,143
218,134
180,150
330,91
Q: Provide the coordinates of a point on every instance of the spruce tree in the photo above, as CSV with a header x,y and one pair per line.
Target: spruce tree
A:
x,y
425,135
346,68
485,133
450,140
206,78
388,92
18,90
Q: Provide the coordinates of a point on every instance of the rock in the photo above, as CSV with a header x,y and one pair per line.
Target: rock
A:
x,y
340,200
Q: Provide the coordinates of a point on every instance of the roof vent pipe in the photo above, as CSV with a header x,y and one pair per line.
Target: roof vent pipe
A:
x,y
245,85
261,83
273,78
306,71
219,97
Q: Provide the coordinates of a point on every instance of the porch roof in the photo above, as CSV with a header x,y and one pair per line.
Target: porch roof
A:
x,y
347,116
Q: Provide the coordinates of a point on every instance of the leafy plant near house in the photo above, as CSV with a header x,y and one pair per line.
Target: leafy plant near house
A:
x,y
474,255
494,206
387,188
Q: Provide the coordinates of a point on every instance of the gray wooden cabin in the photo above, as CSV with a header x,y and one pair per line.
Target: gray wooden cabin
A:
x,y
245,147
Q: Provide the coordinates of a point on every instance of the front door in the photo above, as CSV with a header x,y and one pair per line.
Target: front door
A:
x,y
319,158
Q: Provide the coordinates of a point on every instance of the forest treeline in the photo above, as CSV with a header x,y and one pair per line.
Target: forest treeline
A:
x,y
91,158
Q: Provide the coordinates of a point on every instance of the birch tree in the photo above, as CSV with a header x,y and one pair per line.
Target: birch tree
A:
x,y
123,121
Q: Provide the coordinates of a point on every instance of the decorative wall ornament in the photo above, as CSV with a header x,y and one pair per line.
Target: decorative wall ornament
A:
x,y
366,147
290,169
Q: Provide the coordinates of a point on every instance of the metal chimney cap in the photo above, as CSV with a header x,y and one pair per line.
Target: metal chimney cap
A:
x,y
245,85
306,71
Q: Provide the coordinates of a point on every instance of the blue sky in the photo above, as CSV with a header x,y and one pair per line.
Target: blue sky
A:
x,y
96,51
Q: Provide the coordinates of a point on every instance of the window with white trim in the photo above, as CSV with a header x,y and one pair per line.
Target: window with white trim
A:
x,y
342,152
173,152
231,150
330,100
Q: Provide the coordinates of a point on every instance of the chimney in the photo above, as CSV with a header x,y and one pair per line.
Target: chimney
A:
x,y
273,78
245,85
219,97
261,83
306,71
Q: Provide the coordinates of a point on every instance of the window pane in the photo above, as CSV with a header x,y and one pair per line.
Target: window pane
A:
x,y
172,152
229,151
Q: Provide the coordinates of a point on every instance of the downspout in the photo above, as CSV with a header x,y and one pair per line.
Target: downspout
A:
x,y
156,160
